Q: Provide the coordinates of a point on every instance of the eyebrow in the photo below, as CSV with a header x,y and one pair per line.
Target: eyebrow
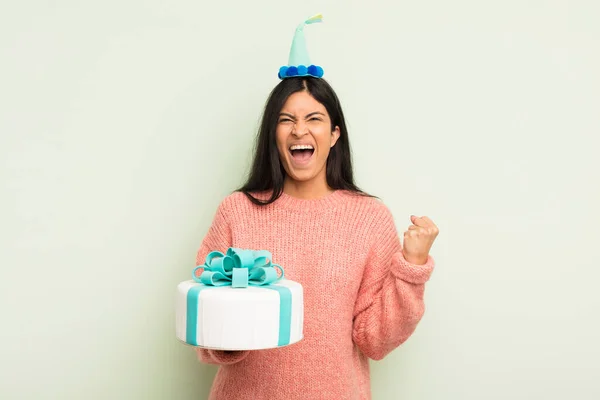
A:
x,y
307,115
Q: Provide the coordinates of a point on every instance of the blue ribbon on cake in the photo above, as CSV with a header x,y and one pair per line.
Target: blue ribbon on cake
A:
x,y
239,268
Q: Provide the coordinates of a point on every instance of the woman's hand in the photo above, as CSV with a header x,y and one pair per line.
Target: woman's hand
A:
x,y
418,239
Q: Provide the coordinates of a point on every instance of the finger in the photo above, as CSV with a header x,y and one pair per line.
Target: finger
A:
x,y
421,231
410,233
419,221
428,221
431,226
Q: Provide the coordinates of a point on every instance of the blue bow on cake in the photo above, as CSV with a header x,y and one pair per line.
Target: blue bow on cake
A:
x,y
238,268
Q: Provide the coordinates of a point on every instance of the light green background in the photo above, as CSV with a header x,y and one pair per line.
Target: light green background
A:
x,y
124,123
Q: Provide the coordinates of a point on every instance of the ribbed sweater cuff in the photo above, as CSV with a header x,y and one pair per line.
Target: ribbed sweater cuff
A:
x,y
412,273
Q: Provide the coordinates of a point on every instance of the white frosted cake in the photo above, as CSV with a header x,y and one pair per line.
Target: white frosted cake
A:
x,y
247,317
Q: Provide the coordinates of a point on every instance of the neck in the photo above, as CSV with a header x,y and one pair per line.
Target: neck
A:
x,y
308,190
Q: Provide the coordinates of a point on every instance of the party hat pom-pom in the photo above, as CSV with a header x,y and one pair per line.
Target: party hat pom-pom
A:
x,y
302,69
282,72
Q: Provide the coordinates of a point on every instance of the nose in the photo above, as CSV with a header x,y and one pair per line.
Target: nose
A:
x,y
300,129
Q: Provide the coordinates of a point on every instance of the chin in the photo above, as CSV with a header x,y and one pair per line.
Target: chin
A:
x,y
306,174
301,177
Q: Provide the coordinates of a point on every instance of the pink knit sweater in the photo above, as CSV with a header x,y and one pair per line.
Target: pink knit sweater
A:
x,y
362,299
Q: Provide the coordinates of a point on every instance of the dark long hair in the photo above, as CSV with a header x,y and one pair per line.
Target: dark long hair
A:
x,y
267,173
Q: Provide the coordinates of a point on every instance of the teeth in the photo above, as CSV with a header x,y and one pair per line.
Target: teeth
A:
x,y
301,147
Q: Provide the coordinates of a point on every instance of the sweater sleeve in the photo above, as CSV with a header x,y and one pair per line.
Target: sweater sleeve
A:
x,y
390,303
218,238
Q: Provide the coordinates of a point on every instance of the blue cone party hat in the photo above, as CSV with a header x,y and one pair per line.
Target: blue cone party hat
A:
x,y
299,62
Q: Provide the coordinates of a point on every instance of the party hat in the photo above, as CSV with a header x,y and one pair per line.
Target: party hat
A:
x,y
299,62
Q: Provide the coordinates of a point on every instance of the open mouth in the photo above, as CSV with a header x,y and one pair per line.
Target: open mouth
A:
x,y
302,152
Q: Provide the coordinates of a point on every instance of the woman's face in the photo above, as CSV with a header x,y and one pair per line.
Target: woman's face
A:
x,y
304,137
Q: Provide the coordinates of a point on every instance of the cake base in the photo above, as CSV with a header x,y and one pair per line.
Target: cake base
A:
x,y
237,319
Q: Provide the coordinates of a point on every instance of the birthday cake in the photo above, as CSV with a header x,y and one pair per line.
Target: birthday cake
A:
x,y
239,300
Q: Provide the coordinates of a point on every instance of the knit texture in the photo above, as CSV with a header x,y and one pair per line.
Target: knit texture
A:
x,y
362,299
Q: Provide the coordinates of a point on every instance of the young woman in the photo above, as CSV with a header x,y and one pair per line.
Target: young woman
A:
x,y
363,289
